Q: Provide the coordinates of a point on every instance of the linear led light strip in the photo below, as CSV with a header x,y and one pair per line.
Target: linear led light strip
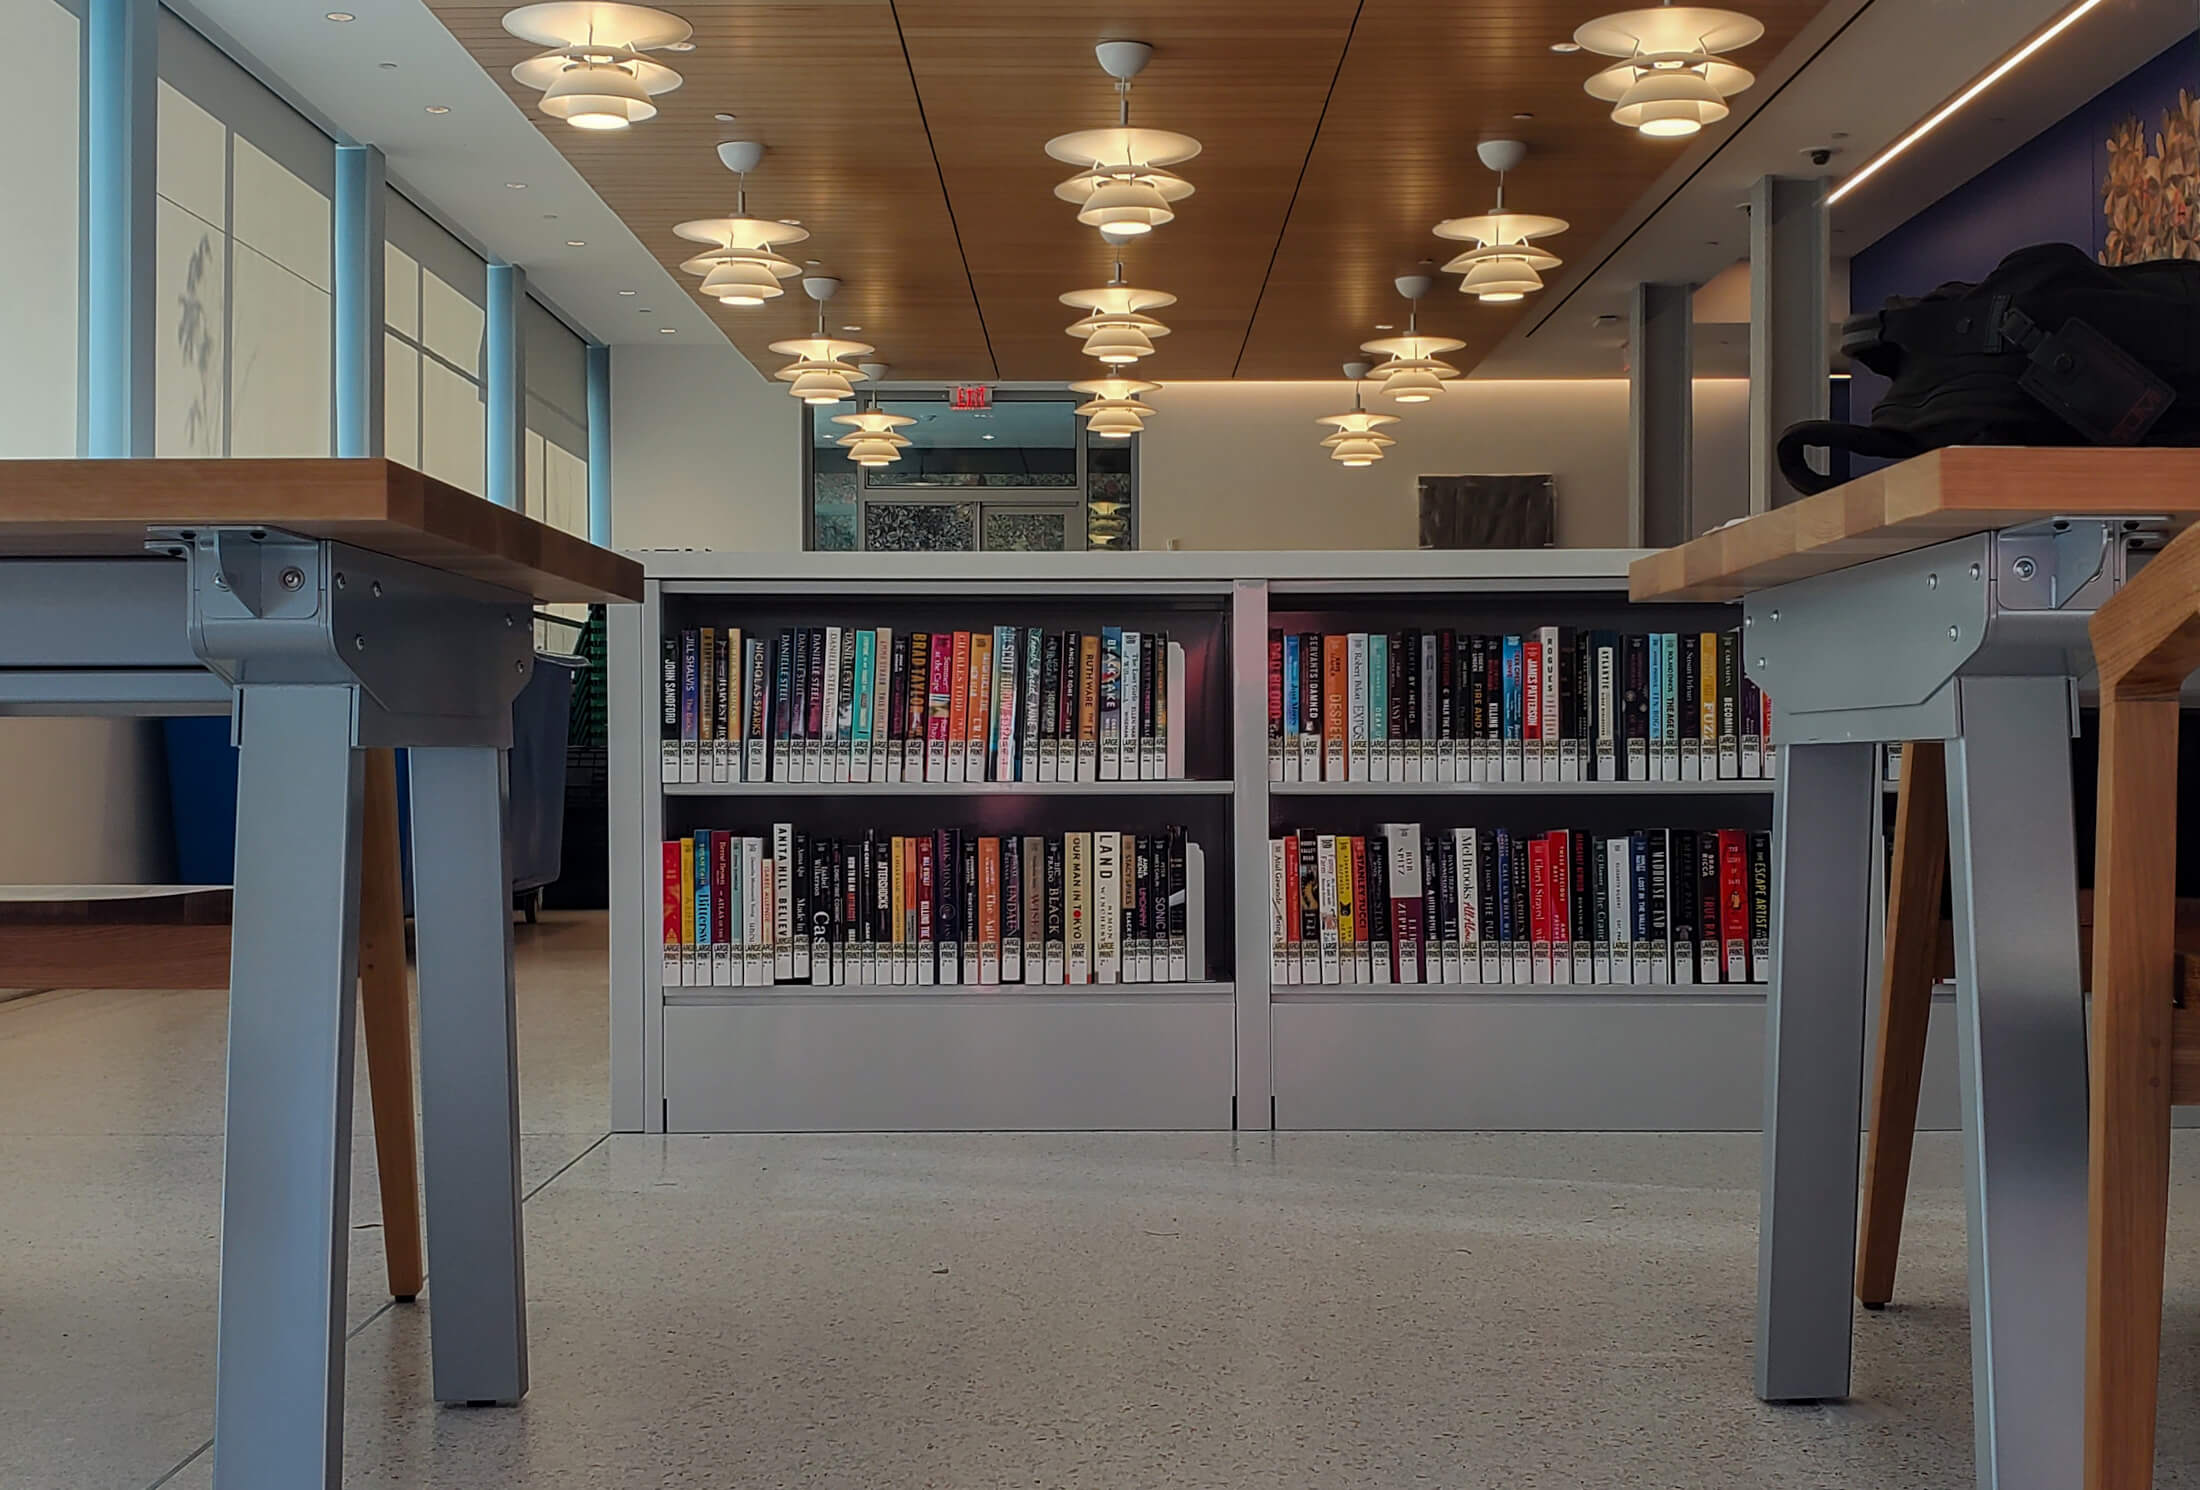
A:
x,y
1947,110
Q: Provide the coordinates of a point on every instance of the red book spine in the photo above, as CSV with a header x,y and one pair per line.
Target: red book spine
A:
x,y
1290,891
941,687
1362,919
721,888
1539,900
924,892
1562,902
672,893
1531,697
1734,902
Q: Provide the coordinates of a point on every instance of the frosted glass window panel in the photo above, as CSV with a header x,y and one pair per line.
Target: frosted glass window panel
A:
x,y
279,361
1026,532
452,427
921,527
190,316
450,324
400,291
38,248
279,215
565,490
401,401
193,163
836,532
531,503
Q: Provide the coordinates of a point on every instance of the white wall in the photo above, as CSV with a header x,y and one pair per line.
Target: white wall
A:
x,y
1238,465
705,452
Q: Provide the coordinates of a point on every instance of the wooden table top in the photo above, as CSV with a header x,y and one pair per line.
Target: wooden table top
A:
x,y
75,508
1929,499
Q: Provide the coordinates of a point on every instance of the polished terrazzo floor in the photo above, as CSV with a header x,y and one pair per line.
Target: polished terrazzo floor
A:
x,y
875,1313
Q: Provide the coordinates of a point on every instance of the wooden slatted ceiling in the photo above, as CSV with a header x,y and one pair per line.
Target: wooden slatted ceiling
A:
x,y
1336,133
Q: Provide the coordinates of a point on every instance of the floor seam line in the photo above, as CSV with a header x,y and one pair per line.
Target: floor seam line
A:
x,y
562,1168
180,1465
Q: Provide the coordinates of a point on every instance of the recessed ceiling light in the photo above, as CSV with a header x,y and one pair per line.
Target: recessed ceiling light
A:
x,y
339,16
1565,46
986,437
645,310
723,118
436,108
576,243
1382,325
1523,114
812,263
387,66
851,328
680,46
792,222
666,330
626,292
515,186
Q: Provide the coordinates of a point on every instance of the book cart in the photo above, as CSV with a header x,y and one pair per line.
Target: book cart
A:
x,y
1238,1042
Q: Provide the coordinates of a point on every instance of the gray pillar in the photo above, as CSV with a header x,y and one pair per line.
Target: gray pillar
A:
x,y
599,444
120,69
504,387
1661,411
1790,255
361,197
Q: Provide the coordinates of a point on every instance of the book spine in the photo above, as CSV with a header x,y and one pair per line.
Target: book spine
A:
x,y
1547,650
1138,903
1050,707
690,705
1730,727
1478,703
1448,694
1325,867
828,699
1760,908
1107,907
813,730
1669,728
1710,948
1510,763
1654,707
756,899
1690,722
1276,692
1539,908
1423,698
1707,704
1609,757
978,722
895,731
1088,706
1311,724
1129,687
726,723
1282,965
1008,658
989,911
1385,701
669,933
1034,880
1077,900
916,724
1336,678
1356,706
1683,917
1531,709
1600,912
706,704
1178,861
1164,735
864,680
1306,858
1011,855
1618,863
939,706
1111,703
844,715
1146,739
1734,902
1638,902
1027,763
1569,706
1055,858
1408,901
1348,930
1752,714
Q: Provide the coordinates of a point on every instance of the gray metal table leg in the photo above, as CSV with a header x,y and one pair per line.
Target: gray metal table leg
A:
x,y
469,1074
286,1164
2021,1055
1824,831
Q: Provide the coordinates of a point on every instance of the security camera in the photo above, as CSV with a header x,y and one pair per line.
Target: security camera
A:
x,y
1818,155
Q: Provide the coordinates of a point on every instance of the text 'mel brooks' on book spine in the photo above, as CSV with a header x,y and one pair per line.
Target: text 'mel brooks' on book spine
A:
x,y
952,908
1408,904
872,705
1548,704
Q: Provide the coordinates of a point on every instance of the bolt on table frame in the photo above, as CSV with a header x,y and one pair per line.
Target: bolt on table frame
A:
x,y
1980,642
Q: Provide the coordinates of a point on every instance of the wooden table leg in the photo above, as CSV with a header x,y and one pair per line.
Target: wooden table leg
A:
x,y
385,1001
2134,972
1905,1011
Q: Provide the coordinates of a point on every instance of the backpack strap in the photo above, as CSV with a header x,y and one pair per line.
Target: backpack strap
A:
x,y
1856,439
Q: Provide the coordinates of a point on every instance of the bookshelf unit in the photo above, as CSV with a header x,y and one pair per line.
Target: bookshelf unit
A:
x,y
1232,1047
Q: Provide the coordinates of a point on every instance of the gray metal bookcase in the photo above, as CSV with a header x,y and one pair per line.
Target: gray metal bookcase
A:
x,y
1232,1051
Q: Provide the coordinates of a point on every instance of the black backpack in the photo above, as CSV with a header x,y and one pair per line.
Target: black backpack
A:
x,y
2049,349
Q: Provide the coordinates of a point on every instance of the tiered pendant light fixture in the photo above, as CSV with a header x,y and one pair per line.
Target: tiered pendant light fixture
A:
x,y
1114,412
1356,440
877,440
1413,373
820,373
741,268
1671,80
1117,329
1503,264
594,76
1121,187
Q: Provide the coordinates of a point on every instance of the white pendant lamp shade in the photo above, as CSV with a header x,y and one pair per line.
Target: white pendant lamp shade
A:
x,y
1125,203
1118,331
1671,81
741,267
1114,412
1357,440
1498,273
821,373
595,75
876,440
1414,373
1121,187
1504,262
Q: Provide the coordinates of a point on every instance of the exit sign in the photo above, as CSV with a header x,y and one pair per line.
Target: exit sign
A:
x,y
973,396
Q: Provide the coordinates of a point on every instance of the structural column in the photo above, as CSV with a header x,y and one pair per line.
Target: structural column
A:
x,y
121,67
504,386
599,444
1661,415
1789,258
361,198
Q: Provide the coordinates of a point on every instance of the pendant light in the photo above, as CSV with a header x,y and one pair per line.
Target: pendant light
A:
x,y
1671,80
1357,441
741,269
1413,374
876,440
820,373
1114,412
594,76
1120,187
1502,266
1117,331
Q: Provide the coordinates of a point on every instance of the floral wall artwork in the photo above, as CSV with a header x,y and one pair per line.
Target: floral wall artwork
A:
x,y
2151,188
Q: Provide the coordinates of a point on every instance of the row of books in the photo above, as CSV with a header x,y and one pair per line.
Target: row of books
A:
x,y
862,704
1481,905
953,907
1555,704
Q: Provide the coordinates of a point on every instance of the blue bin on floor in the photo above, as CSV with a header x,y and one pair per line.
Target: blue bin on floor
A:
x,y
202,786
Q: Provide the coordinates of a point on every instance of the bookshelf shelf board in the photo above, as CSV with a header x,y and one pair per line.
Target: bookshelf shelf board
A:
x,y
949,789
1521,788
1053,993
1413,993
